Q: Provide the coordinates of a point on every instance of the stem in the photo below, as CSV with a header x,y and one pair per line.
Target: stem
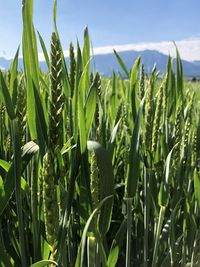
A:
x,y
17,176
194,249
183,260
91,251
146,217
158,231
34,210
101,259
129,226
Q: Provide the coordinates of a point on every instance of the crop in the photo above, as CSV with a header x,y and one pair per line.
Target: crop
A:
x,y
96,171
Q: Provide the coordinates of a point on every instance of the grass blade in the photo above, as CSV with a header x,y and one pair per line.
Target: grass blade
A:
x,y
106,183
7,98
44,50
28,151
119,59
81,252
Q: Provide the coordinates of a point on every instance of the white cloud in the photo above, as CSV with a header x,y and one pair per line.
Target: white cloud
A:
x,y
41,56
189,49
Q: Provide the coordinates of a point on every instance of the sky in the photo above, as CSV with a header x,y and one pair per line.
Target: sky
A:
x,y
123,25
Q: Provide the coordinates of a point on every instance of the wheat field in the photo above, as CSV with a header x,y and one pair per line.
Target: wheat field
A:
x,y
97,171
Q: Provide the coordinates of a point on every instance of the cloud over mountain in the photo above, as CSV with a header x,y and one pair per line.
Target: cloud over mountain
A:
x,y
189,49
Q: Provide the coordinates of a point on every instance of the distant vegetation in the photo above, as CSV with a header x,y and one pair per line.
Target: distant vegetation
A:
x,y
96,171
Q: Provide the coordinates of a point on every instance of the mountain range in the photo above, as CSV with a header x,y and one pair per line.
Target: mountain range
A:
x,y
106,63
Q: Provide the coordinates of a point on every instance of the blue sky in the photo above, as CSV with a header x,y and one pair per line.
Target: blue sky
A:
x,y
110,22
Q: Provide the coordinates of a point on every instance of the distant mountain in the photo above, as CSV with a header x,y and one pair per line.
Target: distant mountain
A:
x,y
4,63
197,62
105,64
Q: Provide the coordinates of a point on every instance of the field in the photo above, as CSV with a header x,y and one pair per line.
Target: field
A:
x,y
97,171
